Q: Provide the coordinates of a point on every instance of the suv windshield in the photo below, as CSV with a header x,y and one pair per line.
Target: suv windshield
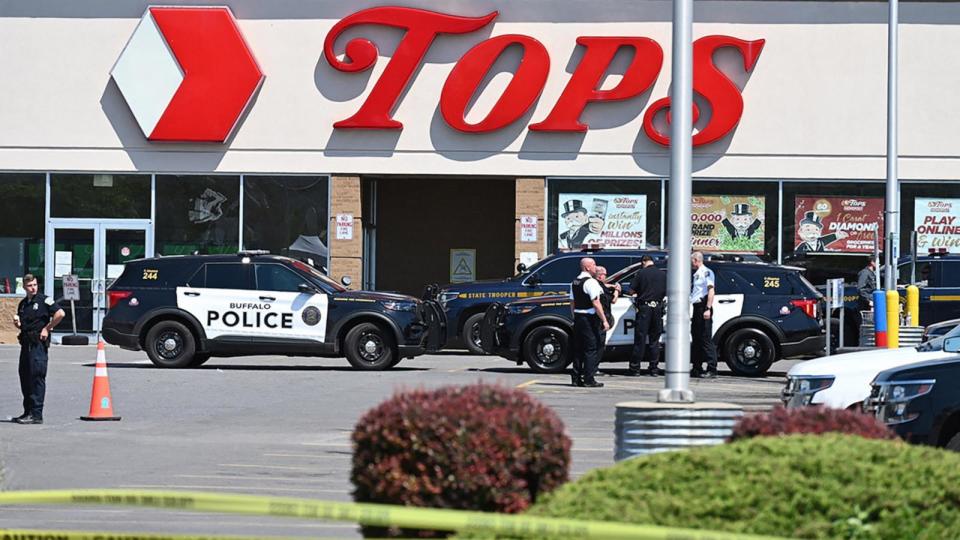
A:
x,y
317,275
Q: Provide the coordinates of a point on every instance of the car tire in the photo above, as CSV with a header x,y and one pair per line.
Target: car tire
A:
x,y
546,349
170,344
369,347
199,359
749,352
954,443
471,333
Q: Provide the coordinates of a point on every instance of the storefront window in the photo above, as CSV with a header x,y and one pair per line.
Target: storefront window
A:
x,y
100,196
286,215
197,214
21,229
732,216
623,213
830,228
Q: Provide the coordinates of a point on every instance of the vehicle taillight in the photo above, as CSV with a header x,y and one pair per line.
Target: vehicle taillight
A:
x,y
115,296
808,306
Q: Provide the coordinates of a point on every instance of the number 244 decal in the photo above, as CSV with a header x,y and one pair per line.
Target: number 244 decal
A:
x,y
150,274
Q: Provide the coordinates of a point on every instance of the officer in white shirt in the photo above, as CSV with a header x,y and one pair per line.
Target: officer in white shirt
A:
x,y
589,324
703,349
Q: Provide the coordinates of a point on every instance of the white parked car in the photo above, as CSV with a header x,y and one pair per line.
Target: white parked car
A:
x,y
842,381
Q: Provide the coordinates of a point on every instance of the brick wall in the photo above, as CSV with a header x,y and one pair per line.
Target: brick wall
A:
x,y
346,256
530,201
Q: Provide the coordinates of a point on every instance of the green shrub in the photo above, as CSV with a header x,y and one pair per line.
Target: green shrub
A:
x,y
806,486
477,447
811,420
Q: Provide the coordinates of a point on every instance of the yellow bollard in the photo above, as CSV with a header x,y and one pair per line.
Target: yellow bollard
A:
x,y
913,304
893,320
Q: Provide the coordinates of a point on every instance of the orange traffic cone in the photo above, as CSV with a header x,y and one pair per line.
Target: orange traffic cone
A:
x,y
101,404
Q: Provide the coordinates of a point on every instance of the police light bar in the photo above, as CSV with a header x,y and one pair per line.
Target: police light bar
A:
x,y
591,247
250,252
937,252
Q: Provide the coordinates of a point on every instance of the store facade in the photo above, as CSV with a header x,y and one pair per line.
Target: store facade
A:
x,y
400,146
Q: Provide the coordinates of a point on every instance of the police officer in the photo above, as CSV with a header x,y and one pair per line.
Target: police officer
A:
x,y
589,322
701,321
36,316
650,287
866,284
609,297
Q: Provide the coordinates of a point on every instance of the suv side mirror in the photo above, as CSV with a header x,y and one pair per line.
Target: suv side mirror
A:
x,y
521,268
951,344
346,281
533,281
305,288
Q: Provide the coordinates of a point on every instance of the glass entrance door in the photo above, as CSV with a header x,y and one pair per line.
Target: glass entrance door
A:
x,y
95,251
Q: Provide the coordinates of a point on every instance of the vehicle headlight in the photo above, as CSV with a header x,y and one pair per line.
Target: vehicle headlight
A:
x,y
393,305
889,400
446,296
799,390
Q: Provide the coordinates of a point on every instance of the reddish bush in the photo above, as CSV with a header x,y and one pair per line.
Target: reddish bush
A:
x,y
477,447
811,420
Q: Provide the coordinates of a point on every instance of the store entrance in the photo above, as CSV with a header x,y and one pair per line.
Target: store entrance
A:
x,y
416,222
95,251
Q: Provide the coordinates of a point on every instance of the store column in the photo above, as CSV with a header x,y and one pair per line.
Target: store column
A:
x,y
346,234
530,223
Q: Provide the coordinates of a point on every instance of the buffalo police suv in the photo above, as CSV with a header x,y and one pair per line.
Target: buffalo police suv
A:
x,y
182,310
762,313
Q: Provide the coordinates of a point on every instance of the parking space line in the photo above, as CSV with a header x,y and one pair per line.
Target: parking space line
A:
x,y
256,466
235,488
257,478
528,383
296,455
347,445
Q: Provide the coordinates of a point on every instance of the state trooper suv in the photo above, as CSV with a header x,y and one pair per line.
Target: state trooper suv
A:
x,y
182,310
464,304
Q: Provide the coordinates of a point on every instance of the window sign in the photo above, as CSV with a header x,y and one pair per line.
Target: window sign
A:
x,y
837,224
728,223
607,220
937,222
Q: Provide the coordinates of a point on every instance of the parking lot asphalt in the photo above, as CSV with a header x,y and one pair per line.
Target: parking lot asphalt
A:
x,y
267,426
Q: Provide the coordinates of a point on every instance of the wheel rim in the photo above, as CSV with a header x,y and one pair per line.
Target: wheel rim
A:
x,y
169,344
549,351
750,352
475,336
370,347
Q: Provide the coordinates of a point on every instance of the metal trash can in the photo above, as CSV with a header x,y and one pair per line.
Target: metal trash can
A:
x,y
643,427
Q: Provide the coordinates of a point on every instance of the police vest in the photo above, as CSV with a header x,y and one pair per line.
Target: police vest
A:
x,y
581,300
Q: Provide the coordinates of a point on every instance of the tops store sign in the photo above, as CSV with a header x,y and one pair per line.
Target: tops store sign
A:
x,y
175,94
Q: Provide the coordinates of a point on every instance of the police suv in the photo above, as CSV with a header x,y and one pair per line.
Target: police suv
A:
x,y
919,401
762,312
464,304
182,310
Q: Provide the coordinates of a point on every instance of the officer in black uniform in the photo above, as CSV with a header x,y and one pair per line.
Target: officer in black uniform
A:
x,y
36,316
589,322
650,287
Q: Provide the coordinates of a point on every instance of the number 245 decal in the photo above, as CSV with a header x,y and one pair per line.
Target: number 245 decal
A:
x,y
771,282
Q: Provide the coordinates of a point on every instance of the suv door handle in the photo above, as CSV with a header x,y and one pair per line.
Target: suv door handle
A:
x,y
726,301
268,299
191,293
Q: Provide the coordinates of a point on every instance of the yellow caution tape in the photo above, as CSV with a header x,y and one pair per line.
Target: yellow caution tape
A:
x,y
37,534
380,515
